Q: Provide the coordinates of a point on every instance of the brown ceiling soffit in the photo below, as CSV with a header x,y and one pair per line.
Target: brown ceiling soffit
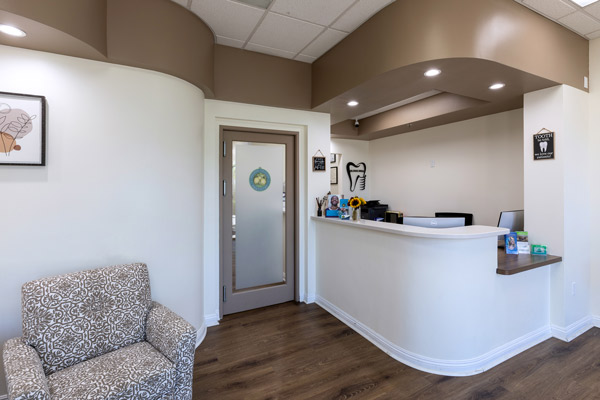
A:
x,y
248,77
165,37
82,20
442,119
409,32
407,115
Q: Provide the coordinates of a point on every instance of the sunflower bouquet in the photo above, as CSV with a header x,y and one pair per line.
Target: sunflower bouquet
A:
x,y
355,203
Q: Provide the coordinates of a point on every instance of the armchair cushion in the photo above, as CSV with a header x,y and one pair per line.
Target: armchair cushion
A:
x,y
22,364
137,371
75,317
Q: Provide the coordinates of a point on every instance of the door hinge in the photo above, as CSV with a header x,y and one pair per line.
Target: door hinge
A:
x,y
224,149
224,188
224,294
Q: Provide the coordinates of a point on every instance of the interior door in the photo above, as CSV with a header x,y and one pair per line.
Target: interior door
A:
x,y
257,219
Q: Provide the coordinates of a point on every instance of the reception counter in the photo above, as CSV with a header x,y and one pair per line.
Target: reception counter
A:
x,y
430,298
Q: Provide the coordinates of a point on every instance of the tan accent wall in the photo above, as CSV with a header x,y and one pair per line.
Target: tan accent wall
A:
x,y
158,35
409,32
163,36
248,77
84,20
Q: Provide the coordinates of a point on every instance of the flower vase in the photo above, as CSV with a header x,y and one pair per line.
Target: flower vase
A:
x,y
355,214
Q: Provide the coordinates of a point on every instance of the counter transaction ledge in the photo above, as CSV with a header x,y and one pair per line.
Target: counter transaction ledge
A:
x,y
430,298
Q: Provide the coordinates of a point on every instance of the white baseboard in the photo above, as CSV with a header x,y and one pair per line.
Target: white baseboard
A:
x,y
596,321
437,366
200,335
575,329
310,298
211,319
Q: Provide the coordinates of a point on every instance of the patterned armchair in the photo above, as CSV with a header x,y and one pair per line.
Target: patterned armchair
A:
x,y
98,335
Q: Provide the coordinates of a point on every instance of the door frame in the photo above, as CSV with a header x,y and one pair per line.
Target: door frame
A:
x,y
296,240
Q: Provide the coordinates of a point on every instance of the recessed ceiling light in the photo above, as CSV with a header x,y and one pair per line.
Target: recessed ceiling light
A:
x,y
433,72
12,31
497,86
353,103
583,3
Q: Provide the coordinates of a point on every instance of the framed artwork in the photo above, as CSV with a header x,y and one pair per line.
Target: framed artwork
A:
x,y
333,205
334,176
22,129
332,157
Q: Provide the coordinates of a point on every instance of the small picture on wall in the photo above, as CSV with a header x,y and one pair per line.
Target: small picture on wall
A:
x,y
334,176
22,129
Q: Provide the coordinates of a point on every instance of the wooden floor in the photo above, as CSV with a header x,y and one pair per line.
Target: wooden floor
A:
x,y
299,351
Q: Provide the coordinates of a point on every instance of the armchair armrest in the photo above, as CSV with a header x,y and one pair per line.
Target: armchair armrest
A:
x,y
25,376
175,338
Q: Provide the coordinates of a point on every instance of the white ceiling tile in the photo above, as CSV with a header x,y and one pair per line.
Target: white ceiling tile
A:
x,y
317,11
269,50
552,8
358,14
182,2
581,23
285,33
594,9
305,58
225,41
227,18
593,35
324,42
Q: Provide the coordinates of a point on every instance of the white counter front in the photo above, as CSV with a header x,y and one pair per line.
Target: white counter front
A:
x,y
430,298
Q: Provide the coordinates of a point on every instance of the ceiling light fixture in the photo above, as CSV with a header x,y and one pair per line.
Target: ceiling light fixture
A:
x,y
12,31
583,3
433,72
352,103
497,86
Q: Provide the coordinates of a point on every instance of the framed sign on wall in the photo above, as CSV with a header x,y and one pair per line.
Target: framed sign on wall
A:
x,y
543,145
318,162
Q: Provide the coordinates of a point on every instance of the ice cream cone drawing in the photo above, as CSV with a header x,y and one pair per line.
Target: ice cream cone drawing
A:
x,y
14,125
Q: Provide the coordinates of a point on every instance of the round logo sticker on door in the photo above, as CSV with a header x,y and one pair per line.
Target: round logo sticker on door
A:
x,y
260,179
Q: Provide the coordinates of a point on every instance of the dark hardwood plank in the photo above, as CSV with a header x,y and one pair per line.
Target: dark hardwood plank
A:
x,y
299,351
509,264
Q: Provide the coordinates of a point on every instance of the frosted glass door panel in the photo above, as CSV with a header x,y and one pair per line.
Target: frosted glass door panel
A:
x,y
258,203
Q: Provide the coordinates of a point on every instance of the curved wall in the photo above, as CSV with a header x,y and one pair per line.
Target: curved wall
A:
x,y
122,182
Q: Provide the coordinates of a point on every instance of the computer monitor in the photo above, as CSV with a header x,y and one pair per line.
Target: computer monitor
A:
x,y
511,220
430,222
468,217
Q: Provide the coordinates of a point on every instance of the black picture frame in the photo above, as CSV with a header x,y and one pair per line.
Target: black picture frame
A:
x,y
22,129
319,164
334,176
543,146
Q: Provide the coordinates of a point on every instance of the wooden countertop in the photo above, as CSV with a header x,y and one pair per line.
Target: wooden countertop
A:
x,y
509,264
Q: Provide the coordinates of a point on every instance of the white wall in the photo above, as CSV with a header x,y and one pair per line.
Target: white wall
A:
x,y
478,168
314,131
594,118
352,151
557,197
122,183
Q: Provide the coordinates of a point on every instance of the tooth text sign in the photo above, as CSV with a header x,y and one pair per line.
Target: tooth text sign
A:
x,y
543,146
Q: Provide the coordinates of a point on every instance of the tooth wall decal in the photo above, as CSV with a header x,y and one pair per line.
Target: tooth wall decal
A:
x,y
357,174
